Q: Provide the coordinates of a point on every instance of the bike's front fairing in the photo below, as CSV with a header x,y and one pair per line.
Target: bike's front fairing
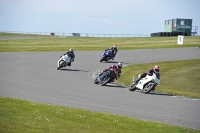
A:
x,y
146,80
112,74
67,58
64,58
103,75
107,53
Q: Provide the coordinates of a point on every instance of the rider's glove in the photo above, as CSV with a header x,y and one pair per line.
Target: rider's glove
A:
x,y
100,74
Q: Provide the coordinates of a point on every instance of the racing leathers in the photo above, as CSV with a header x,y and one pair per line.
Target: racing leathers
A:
x,y
114,52
72,56
115,67
150,73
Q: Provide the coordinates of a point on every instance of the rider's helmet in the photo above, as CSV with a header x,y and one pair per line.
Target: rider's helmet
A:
x,y
156,69
114,46
119,65
71,50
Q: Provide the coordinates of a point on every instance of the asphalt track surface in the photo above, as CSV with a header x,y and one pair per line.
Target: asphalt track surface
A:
x,y
33,76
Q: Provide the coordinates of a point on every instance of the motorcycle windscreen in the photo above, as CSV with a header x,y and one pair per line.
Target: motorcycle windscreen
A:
x,y
67,58
108,53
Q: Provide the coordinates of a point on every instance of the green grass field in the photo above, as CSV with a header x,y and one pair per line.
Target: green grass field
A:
x,y
19,116
88,43
177,78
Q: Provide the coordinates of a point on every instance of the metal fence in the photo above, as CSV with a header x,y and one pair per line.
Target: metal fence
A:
x,y
78,34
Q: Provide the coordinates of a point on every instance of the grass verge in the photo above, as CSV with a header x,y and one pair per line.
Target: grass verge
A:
x,y
87,43
177,77
25,116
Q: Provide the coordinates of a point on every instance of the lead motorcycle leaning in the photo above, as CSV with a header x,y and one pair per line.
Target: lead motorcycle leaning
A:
x,y
106,56
106,77
63,61
146,84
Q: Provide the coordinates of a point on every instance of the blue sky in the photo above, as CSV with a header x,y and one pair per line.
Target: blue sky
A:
x,y
95,16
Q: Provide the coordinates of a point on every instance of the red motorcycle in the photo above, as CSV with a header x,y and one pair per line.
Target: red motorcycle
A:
x,y
106,77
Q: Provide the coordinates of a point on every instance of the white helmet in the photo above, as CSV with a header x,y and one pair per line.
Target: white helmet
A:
x,y
156,69
119,65
71,50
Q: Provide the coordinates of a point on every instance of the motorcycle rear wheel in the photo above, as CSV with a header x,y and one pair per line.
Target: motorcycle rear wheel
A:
x,y
148,87
60,65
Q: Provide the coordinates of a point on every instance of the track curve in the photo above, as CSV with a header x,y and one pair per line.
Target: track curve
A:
x,y
33,76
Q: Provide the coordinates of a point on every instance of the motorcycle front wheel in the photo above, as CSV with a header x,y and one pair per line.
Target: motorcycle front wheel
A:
x,y
96,81
132,87
105,80
102,59
60,65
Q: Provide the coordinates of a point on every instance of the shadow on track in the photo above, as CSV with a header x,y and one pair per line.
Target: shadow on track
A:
x,y
114,85
75,70
109,62
115,62
155,93
158,93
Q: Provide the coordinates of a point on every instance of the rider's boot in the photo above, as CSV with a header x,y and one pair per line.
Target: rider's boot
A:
x,y
112,57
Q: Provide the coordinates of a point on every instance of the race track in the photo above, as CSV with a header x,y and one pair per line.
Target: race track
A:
x,y
33,76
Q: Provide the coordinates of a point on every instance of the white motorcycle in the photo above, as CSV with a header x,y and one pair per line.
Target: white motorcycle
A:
x,y
63,61
145,84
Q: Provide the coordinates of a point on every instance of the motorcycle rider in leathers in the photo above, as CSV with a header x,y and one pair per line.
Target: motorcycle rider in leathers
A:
x,y
114,51
154,70
116,67
71,54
